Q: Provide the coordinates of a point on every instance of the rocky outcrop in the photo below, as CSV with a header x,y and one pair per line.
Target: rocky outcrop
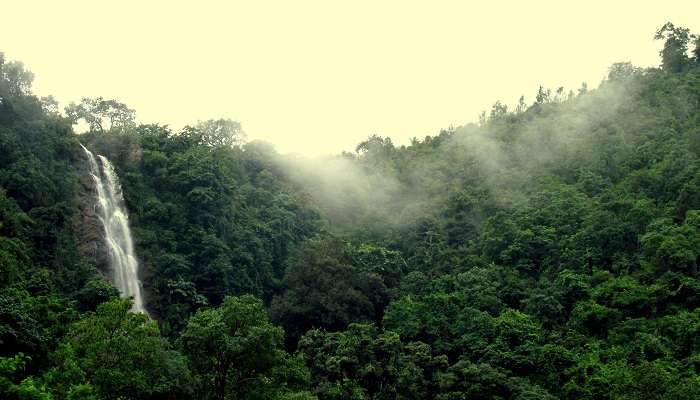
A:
x,y
86,222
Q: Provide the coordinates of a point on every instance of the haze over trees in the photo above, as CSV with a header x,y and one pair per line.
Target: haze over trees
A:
x,y
549,251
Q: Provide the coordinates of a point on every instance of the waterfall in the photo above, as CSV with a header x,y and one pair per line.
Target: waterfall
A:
x,y
115,220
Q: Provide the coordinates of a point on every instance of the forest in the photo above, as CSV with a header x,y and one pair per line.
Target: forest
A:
x,y
549,250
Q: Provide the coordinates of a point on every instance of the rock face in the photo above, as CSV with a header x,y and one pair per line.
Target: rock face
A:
x,y
86,222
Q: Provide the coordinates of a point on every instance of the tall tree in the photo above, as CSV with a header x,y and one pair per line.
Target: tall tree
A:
x,y
674,55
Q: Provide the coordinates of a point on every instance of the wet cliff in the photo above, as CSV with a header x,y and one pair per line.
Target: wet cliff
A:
x,y
86,223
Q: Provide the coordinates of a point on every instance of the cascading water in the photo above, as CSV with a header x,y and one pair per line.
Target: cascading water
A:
x,y
115,220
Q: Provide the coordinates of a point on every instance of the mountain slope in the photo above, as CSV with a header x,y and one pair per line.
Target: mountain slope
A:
x,y
546,252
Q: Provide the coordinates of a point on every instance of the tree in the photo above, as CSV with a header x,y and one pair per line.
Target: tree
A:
x,y
235,352
543,95
121,355
498,110
325,290
583,89
28,388
220,133
375,145
101,115
373,259
18,79
95,292
622,70
674,55
467,380
362,362
672,247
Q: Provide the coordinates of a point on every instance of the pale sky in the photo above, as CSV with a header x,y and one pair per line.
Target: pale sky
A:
x,y
317,77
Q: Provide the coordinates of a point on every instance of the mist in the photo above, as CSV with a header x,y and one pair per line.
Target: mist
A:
x,y
383,187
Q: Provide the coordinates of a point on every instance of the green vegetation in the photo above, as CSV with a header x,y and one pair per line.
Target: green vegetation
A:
x,y
547,252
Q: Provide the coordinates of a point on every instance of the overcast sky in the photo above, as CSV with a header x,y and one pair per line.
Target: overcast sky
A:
x,y
318,77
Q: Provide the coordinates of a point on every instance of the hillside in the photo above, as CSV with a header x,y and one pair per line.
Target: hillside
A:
x,y
548,251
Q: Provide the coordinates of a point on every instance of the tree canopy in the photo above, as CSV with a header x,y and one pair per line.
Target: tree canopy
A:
x,y
550,251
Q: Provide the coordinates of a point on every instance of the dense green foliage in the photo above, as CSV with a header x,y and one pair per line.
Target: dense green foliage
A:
x,y
548,252
213,218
